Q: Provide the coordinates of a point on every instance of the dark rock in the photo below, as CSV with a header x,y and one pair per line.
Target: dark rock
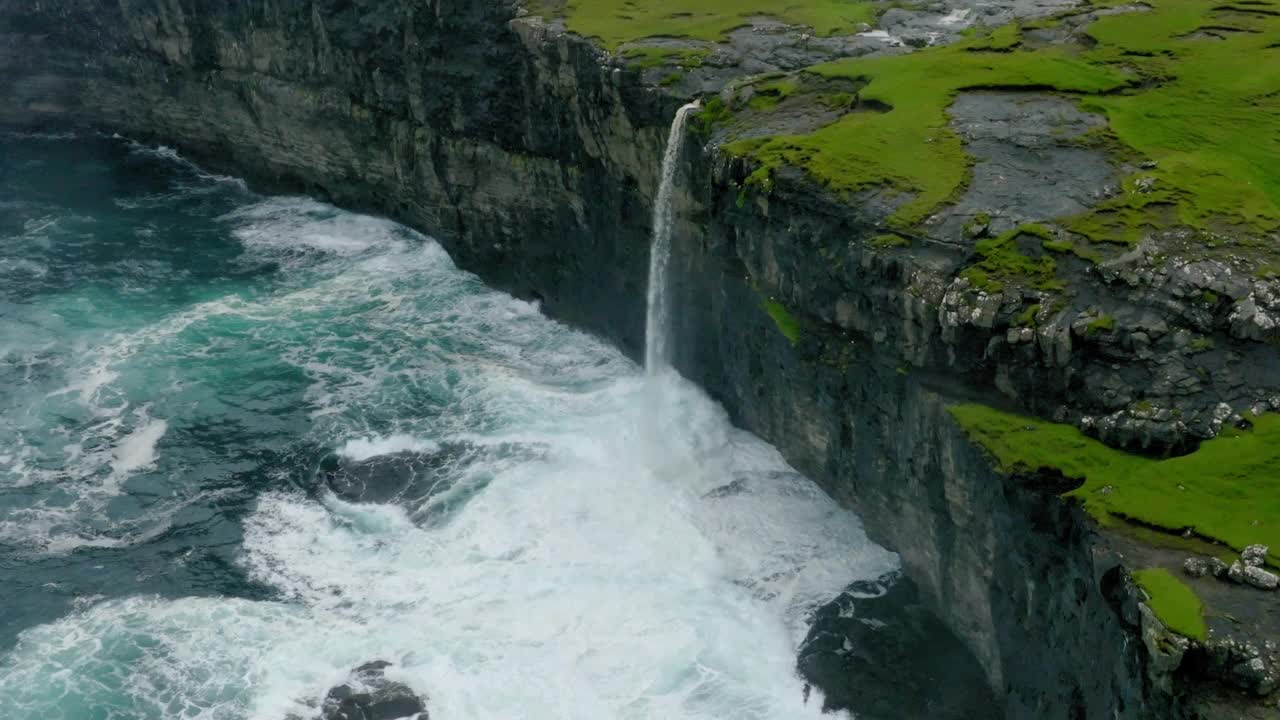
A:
x,y
369,695
878,652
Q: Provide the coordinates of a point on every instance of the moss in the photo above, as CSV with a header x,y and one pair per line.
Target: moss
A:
x,y
1201,344
1228,490
1209,298
1003,38
838,101
977,225
1003,262
1027,318
1101,324
889,240
782,317
1175,604
769,93
713,114
645,58
614,22
1069,246
671,79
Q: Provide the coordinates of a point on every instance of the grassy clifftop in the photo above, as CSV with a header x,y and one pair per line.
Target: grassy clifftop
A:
x,y
614,22
1229,490
1190,88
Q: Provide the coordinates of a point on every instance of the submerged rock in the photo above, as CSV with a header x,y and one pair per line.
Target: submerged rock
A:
x,y
369,695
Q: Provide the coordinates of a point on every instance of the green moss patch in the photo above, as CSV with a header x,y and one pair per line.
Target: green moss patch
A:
x,y
1172,95
782,317
614,22
1004,261
1175,604
1228,490
645,58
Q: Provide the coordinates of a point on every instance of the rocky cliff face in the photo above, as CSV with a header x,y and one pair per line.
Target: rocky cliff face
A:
x,y
534,162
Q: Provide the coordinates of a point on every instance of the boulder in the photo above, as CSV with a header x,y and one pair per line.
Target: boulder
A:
x,y
1235,573
1261,579
1196,566
369,695
1255,555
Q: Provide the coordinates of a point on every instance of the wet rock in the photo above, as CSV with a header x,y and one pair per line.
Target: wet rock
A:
x,y
878,652
1261,579
1196,566
369,695
1235,573
382,479
1218,567
1255,675
1255,555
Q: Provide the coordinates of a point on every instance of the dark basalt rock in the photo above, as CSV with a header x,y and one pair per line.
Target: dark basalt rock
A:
x,y
879,652
369,695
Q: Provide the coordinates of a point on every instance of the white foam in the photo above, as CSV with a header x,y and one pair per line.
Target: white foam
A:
x,y
610,546
137,450
364,448
958,17
293,225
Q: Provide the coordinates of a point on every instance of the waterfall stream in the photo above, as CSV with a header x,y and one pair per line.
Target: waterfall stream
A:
x,y
658,320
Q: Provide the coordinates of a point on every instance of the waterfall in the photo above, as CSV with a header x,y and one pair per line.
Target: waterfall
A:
x,y
658,320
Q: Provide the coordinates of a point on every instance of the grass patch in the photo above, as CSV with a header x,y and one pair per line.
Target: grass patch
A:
x,y
1228,490
1170,96
782,317
912,147
1027,318
1004,262
768,94
1101,324
889,240
645,58
614,22
713,114
1177,605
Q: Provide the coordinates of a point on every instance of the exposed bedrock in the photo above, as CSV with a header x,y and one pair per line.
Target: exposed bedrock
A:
x,y
535,162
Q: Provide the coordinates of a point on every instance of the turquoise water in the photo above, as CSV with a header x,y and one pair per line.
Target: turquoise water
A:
x,y
188,369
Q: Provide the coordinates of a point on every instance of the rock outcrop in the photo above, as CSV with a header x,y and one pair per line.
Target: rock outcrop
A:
x,y
369,695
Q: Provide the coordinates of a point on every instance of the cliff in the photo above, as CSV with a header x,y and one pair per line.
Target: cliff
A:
x,y
819,319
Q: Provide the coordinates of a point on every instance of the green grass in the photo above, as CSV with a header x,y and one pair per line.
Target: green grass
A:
x,y
912,148
1212,125
1183,101
645,58
1228,490
615,22
889,240
1004,262
1101,324
1177,605
1027,317
782,317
